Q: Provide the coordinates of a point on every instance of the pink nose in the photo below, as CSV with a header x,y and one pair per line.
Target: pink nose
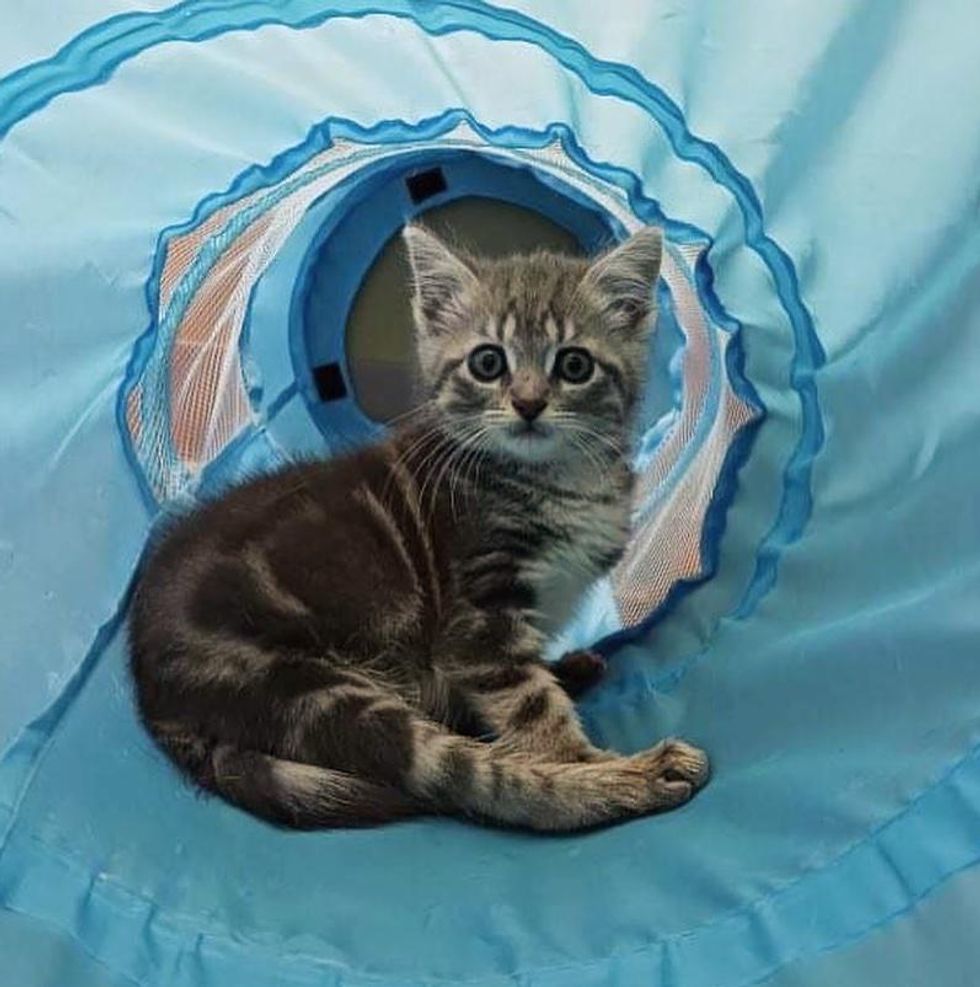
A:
x,y
528,408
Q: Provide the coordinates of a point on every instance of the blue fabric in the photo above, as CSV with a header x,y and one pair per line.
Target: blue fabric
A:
x,y
830,663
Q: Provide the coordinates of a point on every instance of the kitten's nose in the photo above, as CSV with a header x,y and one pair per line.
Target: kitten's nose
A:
x,y
528,408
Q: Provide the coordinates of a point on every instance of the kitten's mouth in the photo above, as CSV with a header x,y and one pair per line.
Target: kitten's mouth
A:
x,y
529,434
529,440
530,430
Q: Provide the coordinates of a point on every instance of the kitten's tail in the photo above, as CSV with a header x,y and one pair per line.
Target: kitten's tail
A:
x,y
283,792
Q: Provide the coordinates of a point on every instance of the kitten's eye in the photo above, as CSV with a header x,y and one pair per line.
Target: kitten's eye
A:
x,y
487,363
574,365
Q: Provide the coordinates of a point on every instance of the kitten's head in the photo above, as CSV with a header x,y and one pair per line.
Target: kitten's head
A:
x,y
539,357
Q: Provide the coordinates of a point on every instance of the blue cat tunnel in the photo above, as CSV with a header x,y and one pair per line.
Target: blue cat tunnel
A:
x,y
200,277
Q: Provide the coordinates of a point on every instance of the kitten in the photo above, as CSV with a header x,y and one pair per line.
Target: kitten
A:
x,y
348,642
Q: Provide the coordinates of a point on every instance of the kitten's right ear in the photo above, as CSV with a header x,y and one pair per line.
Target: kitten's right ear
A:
x,y
440,279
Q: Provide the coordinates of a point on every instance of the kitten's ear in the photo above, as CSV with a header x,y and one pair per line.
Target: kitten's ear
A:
x,y
441,280
623,281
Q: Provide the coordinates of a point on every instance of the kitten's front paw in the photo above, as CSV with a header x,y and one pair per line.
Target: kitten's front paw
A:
x,y
578,671
676,770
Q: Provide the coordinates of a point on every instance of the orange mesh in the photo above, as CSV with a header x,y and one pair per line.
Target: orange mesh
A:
x,y
208,404
666,548
133,419
696,372
184,247
207,399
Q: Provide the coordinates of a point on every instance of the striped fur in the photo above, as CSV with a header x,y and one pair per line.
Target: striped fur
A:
x,y
356,641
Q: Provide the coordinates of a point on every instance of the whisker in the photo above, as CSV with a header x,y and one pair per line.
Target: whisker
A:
x,y
436,472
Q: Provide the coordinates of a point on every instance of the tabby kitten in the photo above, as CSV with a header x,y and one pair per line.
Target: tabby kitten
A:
x,y
348,642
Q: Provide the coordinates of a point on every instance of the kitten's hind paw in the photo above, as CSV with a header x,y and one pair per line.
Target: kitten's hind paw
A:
x,y
578,671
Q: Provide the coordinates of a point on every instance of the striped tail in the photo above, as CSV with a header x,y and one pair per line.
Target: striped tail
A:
x,y
287,793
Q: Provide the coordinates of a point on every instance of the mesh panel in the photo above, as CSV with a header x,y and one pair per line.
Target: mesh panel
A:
x,y
666,547
190,400
676,487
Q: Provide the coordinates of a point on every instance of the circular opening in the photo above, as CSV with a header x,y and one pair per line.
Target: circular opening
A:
x,y
379,332
357,331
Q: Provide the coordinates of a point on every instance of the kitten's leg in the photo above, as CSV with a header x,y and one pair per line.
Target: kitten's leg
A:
x,y
379,737
527,710
354,724
279,790
519,789
493,659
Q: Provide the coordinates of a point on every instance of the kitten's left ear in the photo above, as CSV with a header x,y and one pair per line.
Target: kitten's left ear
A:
x,y
624,281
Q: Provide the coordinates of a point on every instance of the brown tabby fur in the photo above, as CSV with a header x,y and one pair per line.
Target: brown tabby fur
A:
x,y
348,642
